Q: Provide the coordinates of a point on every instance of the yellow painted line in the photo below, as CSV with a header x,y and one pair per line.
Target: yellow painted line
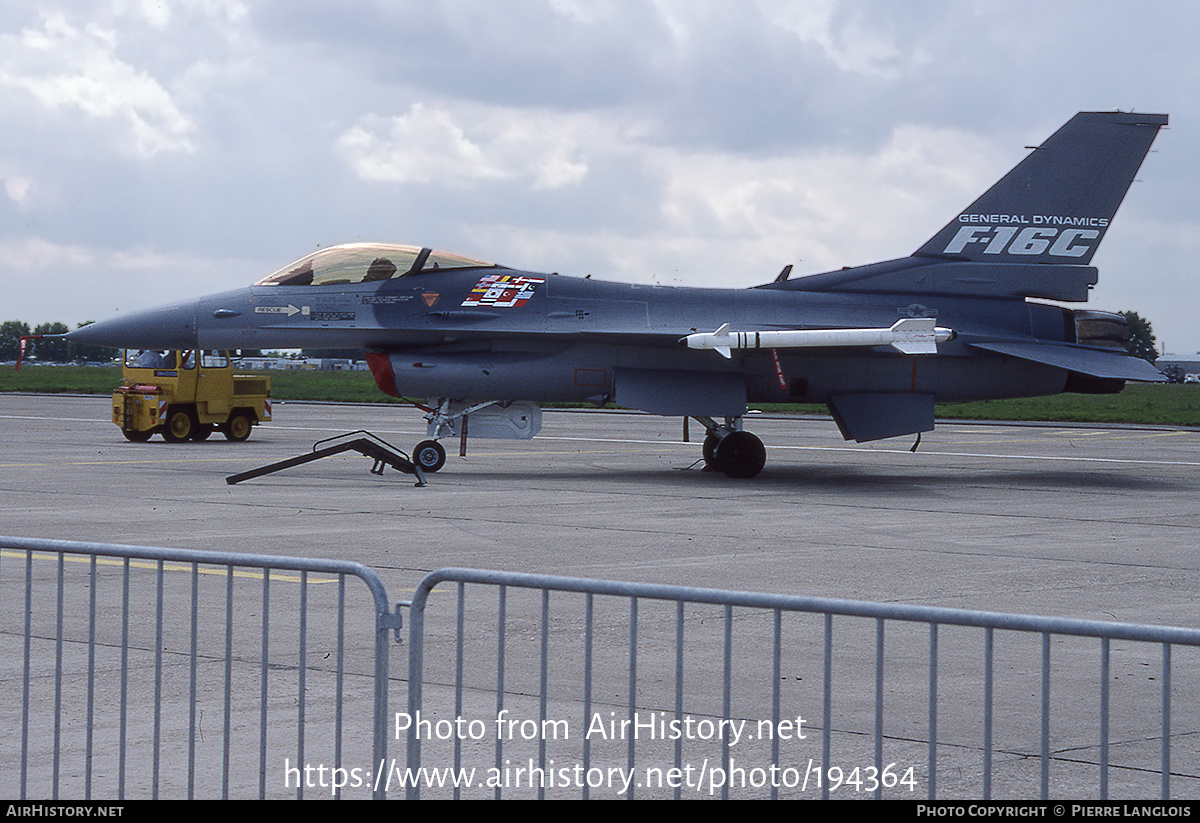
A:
x,y
111,462
171,566
1152,434
52,419
164,461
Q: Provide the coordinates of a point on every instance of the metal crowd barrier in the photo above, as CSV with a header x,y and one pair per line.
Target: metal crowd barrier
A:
x,y
135,672
973,727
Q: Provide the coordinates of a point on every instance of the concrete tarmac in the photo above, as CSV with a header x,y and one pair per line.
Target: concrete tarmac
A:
x,y
1060,520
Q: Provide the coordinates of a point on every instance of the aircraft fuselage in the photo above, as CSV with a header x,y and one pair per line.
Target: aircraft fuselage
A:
x,y
568,338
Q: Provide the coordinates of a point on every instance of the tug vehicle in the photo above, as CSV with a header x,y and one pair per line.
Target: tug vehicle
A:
x,y
187,395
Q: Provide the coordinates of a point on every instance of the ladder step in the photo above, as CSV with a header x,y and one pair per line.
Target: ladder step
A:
x,y
382,453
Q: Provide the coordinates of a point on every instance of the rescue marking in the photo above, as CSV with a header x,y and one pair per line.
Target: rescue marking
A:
x,y
289,310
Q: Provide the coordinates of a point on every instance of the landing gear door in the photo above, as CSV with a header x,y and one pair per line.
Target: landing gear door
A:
x,y
515,421
681,393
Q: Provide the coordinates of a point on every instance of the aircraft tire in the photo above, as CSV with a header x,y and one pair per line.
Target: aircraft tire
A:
x,y
710,451
180,424
429,455
740,454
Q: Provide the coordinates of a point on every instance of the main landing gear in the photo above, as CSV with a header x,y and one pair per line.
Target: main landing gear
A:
x,y
730,450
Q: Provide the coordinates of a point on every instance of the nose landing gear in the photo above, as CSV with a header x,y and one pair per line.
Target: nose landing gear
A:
x,y
429,455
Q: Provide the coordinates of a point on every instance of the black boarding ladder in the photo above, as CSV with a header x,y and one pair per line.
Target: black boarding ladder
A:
x,y
383,453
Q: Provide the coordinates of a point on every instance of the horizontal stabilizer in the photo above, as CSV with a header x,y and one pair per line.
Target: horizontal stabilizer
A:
x,y
1109,365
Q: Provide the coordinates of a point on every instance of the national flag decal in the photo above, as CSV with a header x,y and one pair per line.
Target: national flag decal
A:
x,y
503,291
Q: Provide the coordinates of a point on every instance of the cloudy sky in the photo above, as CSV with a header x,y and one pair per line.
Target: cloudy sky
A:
x,y
158,149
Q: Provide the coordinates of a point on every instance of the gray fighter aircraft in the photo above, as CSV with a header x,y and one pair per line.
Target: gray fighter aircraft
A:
x,y
879,344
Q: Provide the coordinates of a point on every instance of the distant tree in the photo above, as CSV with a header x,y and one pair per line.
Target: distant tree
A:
x,y
54,351
1141,337
1174,373
11,332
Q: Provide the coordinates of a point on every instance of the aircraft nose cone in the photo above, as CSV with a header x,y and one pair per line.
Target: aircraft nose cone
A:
x,y
170,327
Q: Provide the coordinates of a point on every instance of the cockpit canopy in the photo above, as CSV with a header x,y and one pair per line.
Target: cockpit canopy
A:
x,y
365,263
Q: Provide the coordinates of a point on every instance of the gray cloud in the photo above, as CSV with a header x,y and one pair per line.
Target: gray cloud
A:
x,y
156,150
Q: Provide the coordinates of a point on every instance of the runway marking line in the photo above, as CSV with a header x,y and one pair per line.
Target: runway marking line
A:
x,y
1070,434
217,570
109,462
172,566
1045,457
221,460
1054,435
861,449
53,419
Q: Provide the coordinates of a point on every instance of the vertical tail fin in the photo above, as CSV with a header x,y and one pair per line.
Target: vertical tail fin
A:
x,y
1056,205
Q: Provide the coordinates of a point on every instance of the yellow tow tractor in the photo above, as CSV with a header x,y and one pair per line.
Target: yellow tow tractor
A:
x,y
187,395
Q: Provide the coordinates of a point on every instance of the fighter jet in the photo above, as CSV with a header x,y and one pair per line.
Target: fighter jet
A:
x,y
963,318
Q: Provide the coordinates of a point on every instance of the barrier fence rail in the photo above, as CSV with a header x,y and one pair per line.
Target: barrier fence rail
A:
x,y
214,674
116,689
682,668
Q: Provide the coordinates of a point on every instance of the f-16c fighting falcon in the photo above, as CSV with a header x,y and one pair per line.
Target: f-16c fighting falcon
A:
x,y
879,344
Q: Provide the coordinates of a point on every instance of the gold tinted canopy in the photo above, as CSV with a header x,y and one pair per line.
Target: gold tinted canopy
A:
x,y
365,263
